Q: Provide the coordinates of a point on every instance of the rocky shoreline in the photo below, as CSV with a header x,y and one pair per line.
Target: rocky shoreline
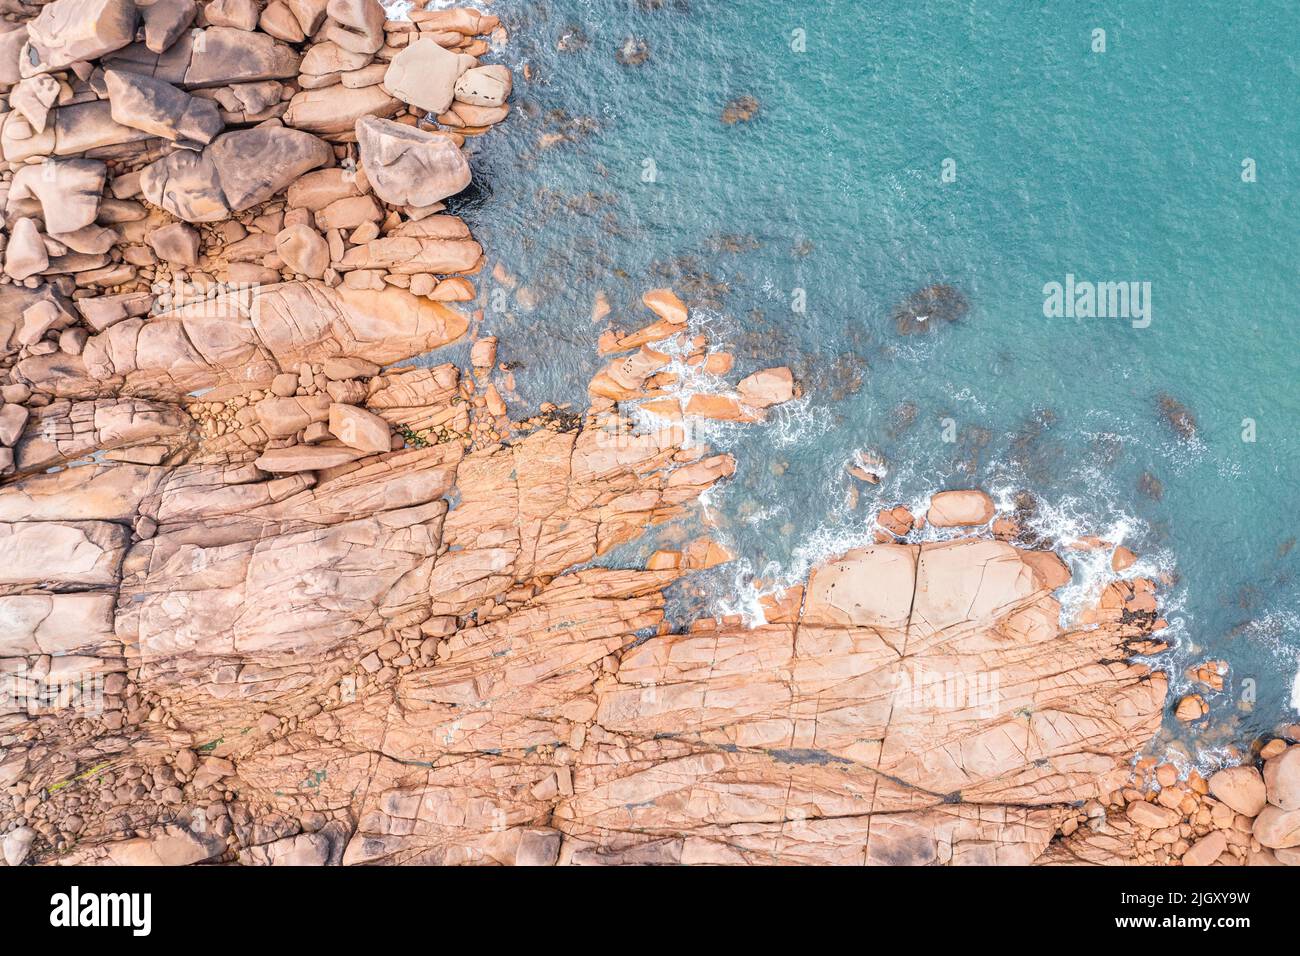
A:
x,y
269,598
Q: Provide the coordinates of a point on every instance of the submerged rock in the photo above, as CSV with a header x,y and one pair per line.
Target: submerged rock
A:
x,y
929,308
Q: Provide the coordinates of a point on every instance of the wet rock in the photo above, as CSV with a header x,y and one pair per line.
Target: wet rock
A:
x,y
633,52
929,308
740,110
1177,415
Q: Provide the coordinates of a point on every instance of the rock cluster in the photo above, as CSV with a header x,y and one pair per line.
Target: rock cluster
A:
x,y
1240,815
215,196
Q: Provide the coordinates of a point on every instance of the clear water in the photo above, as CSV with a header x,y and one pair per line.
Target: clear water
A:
x,y
1115,166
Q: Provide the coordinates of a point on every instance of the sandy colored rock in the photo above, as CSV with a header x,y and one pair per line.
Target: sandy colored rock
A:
x,y
176,243
68,190
25,254
1206,850
407,166
424,75
67,31
953,509
303,250
769,387
1241,788
1277,828
665,304
358,428
484,86
1282,779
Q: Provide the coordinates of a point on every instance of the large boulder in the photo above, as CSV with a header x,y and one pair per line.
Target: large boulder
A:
x,y
1276,828
69,191
238,170
953,509
407,166
355,25
336,109
1282,778
424,75
487,86
1241,788
217,56
159,108
70,31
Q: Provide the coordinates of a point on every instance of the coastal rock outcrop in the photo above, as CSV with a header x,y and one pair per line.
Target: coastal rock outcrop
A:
x,y
272,595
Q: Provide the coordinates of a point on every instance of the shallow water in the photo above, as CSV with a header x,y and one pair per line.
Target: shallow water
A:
x,y
1117,166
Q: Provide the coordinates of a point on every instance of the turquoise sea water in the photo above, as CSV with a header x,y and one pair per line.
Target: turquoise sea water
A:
x,y
1123,165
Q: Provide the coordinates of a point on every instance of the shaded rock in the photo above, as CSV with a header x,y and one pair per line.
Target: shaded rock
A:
x,y
176,243
161,109
216,56
238,170
33,98
69,191
356,25
69,31
165,21
407,166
